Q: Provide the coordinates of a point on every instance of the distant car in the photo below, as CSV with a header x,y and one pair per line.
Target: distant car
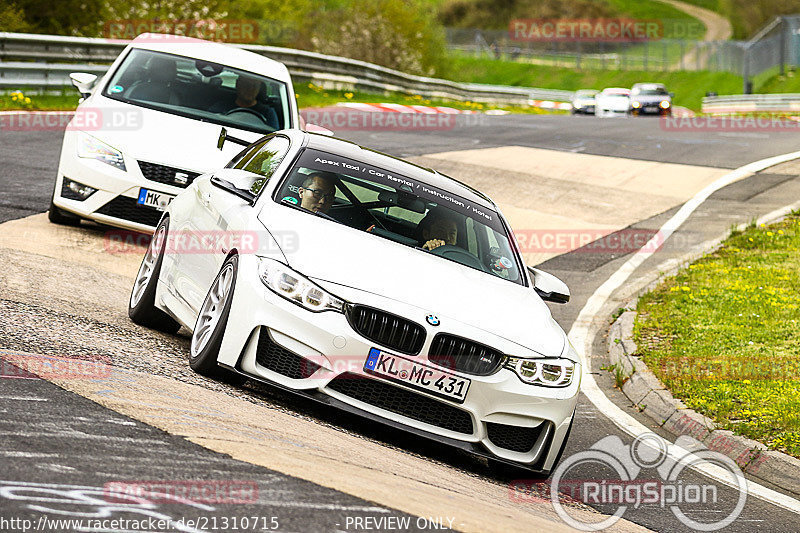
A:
x,y
453,342
650,99
583,102
612,102
158,109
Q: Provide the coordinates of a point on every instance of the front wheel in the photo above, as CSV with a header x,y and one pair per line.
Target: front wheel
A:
x,y
211,322
57,215
141,306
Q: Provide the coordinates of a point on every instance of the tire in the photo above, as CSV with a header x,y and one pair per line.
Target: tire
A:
x,y
61,217
210,326
141,305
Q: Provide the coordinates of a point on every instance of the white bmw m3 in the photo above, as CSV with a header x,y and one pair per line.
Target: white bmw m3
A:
x,y
373,285
143,131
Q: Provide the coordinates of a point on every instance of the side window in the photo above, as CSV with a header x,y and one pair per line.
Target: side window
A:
x,y
264,161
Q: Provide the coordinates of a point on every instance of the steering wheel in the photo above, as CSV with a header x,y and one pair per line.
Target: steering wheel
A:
x,y
459,255
247,110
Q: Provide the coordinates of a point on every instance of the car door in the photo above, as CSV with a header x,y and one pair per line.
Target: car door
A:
x,y
223,214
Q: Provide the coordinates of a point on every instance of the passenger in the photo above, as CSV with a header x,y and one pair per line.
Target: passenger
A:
x,y
317,191
438,228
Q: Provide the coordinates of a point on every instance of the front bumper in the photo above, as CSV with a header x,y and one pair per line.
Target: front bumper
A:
x,y
114,203
501,417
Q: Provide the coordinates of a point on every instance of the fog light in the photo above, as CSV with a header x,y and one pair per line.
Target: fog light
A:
x,y
78,191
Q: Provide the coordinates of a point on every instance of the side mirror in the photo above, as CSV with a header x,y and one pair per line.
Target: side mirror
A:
x,y
549,287
84,82
672,95
243,184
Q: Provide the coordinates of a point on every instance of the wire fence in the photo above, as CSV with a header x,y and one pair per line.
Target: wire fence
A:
x,y
776,45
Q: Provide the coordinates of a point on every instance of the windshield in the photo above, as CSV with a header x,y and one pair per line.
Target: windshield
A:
x,y
657,91
201,90
404,210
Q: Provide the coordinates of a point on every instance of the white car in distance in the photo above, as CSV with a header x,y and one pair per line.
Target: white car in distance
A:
x,y
613,102
146,129
370,284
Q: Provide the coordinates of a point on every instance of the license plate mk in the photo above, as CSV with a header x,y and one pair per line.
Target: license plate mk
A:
x,y
417,375
149,198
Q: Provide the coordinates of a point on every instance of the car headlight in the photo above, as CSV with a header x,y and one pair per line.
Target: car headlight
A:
x,y
92,148
544,372
664,104
636,104
296,288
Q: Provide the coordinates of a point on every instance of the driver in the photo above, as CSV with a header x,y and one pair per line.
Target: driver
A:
x,y
438,228
317,191
247,90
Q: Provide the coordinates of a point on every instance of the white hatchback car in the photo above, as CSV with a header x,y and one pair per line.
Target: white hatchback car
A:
x,y
372,285
142,134
613,102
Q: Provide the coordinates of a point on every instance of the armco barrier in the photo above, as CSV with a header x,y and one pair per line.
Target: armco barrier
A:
x,y
42,61
752,103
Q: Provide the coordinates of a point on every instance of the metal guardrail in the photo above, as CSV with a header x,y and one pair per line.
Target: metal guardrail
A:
x,y
45,61
752,103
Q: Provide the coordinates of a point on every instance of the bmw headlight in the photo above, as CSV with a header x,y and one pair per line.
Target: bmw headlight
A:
x,y
664,104
92,148
544,372
296,288
636,104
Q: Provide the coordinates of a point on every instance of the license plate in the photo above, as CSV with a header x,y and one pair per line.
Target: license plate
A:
x,y
149,198
651,108
416,375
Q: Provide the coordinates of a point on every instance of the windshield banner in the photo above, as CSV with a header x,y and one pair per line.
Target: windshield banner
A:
x,y
334,163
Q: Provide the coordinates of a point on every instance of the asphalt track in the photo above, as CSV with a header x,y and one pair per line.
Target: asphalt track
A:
x,y
47,442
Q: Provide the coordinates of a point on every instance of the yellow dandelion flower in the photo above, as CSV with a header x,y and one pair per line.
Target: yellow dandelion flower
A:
x,y
769,234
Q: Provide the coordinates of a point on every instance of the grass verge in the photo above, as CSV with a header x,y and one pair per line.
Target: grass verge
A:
x,y
689,87
308,95
723,334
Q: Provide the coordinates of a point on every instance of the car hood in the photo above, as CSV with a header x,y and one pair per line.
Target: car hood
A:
x,y
613,102
158,137
326,251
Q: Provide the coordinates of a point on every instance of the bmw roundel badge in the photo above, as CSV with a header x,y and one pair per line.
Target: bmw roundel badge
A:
x,y
433,320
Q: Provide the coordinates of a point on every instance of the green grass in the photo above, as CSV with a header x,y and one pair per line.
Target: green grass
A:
x,y
308,95
775,83
723,335
648,9
689,87
66,101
